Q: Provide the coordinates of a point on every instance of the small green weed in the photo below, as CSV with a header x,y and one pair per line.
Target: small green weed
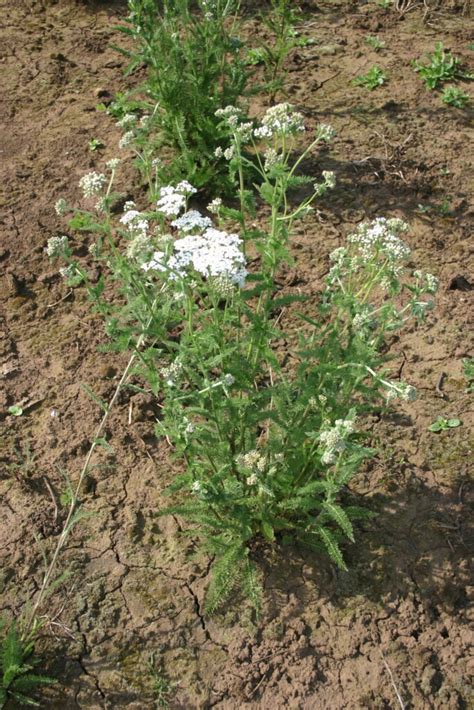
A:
x,y
442,424
453,96
161,686
375,43
384,3
442,66
24,464
468,370
15,410
95,144
17,662
374,77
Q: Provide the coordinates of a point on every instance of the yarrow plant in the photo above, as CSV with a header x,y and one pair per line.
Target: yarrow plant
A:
x,y
267,440
194,66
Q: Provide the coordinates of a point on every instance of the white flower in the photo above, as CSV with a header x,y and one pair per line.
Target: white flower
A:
x,y
68,272
173,199
190,221
228,380
334,439
113,163
135,222
329,178
126,139
156,163
229,153
129,119
381,235
338,255
325,133
196,487
214,206
272,159
129,205
171,202
92,184
185,188
57,246
213,253
431,283
190,428
172,373
218,152
61,207
139,247
328,184
280,120
252,480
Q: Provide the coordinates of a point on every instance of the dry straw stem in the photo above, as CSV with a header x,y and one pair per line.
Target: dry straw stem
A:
x,y
47,579
399,697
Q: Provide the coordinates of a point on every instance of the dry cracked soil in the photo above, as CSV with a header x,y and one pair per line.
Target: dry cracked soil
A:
x,y
396,629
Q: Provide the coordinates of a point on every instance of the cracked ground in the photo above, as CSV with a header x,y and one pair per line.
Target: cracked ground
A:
x,y
398,624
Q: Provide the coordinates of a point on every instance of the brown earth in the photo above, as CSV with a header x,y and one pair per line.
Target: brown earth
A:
x,y
393,631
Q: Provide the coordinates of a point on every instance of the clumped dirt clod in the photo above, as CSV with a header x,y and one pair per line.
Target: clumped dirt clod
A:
x,y
397,625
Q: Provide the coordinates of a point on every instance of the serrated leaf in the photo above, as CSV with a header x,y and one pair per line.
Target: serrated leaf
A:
x,y
339,516
332,547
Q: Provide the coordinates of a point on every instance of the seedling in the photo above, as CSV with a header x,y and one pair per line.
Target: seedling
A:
x,y
162,687
95,144
15,410
468,369
442,424
24,464
375,43
442,66
453,96
374,77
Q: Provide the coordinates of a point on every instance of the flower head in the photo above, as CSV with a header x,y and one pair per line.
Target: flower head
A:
x,y
92,184
57,247
280,120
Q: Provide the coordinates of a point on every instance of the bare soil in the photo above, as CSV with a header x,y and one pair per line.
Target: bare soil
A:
x,y
397,628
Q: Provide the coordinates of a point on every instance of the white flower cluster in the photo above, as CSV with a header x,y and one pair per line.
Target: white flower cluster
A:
x,y
173,199
113,163
57,246
126,139
329,182
430,282
61,207
213,253
364,319
272,159
405,392
214,206
280,120
92,184
334,439
135,222
127,120
68,272
191,221
252,459
172,372
228,153
256,462
230,114
325,132
381,235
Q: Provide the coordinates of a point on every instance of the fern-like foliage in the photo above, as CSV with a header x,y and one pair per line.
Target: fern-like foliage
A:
x,y
18,679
